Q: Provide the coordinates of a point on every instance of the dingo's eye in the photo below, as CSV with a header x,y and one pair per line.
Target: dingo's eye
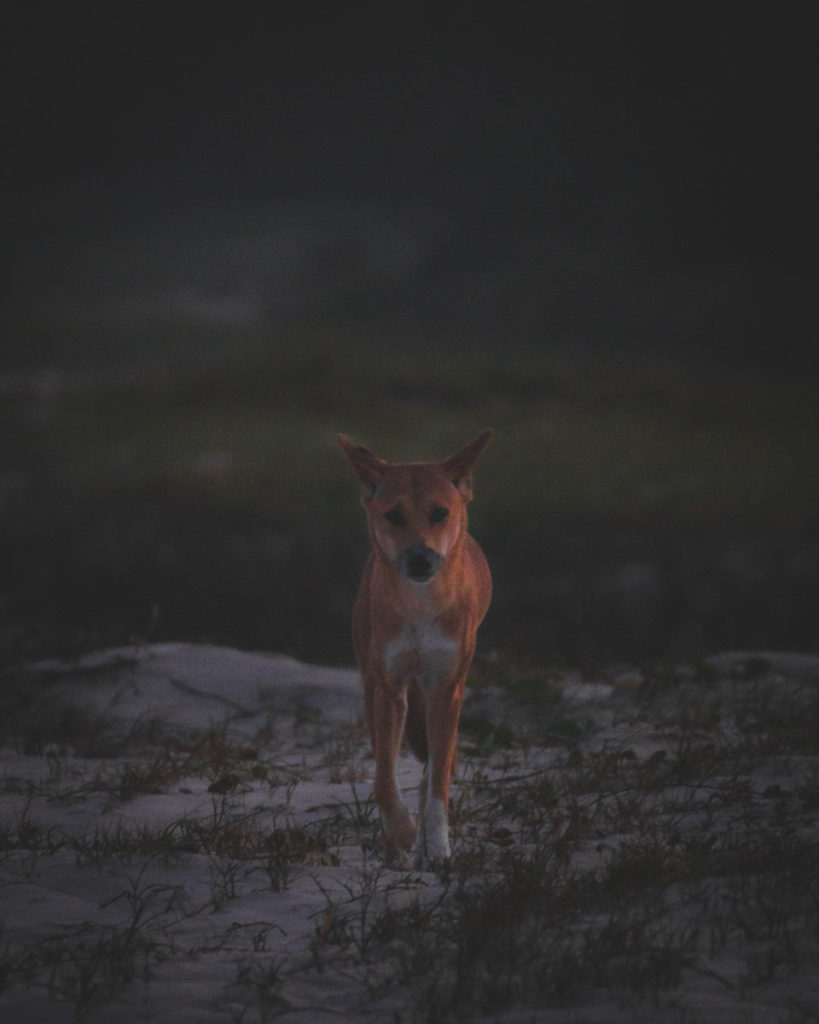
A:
x,y
438,514
395,517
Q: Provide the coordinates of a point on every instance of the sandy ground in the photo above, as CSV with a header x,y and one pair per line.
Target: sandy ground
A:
x,y
197,844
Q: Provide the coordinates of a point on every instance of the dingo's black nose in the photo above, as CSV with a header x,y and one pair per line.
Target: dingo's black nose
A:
x,y
419,563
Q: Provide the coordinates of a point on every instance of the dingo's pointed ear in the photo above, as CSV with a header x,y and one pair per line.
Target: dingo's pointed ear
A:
x,y
368,466
459,467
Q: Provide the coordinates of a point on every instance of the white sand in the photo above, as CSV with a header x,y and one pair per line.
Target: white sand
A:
x,y
202,925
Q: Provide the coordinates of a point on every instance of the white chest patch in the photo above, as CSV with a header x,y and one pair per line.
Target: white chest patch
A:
x,y
421,651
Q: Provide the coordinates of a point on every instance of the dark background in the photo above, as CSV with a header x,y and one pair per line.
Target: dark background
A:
x,y
411,220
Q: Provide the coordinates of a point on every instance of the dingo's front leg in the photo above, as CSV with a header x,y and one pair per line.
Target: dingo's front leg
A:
x,y
388,718
432,846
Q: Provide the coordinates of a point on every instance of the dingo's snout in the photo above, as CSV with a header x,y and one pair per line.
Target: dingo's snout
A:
x,y
419,563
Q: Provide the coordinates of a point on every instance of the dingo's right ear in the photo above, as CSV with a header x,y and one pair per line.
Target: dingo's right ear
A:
x,y
368,466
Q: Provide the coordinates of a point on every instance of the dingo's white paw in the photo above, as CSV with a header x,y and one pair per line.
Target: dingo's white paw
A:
x,y
432,846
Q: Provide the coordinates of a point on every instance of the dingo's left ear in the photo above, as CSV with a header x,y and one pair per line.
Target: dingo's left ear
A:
x,y
459,467
368,466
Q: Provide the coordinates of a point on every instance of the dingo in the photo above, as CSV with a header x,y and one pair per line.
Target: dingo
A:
x,y
425,590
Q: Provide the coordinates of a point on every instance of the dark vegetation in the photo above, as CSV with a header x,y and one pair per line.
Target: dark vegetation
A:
x,y
630,511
